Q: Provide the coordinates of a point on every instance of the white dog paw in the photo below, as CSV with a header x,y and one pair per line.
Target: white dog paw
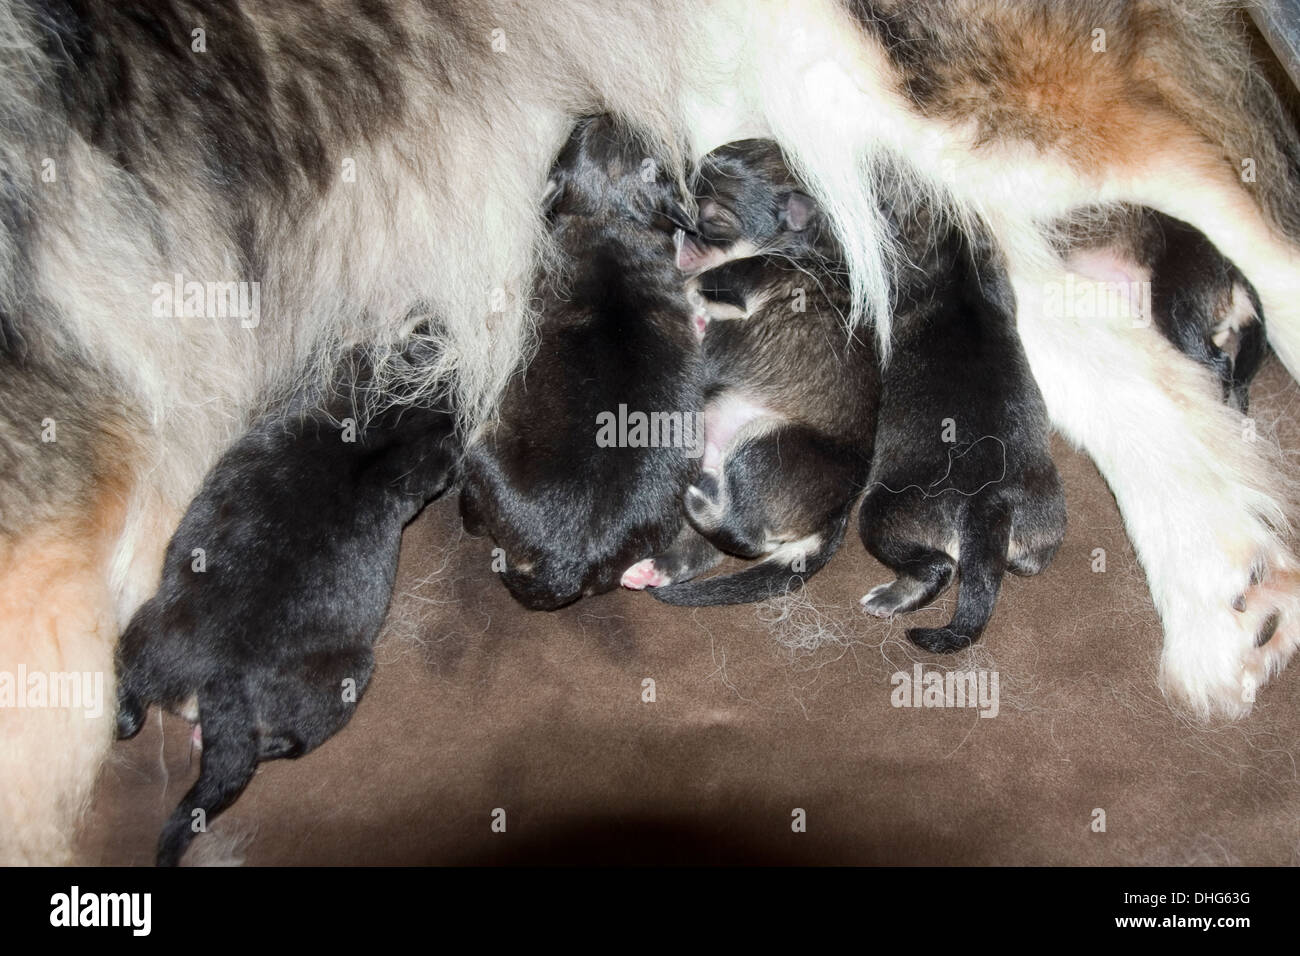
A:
x,y
1218,657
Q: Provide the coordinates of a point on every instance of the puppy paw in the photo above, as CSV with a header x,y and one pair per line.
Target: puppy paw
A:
x,y
882,601
645,574
700,322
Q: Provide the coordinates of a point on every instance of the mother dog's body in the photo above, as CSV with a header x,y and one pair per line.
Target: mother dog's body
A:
x,y
362,159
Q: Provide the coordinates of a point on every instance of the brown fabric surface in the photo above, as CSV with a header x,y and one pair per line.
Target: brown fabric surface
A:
x,y
479,704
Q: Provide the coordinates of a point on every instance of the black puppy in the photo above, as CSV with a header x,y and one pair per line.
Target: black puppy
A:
x,y
275,586
790,396
1199,300
584,470
962,480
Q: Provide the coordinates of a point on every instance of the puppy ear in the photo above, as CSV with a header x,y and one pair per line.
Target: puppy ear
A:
x,y
797,211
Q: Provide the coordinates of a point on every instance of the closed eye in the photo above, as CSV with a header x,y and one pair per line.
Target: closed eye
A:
x,y
717,223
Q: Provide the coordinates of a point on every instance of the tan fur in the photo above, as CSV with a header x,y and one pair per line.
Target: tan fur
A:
x,y
56,614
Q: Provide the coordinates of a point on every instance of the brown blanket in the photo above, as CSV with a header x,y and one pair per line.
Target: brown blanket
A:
x,y
758,711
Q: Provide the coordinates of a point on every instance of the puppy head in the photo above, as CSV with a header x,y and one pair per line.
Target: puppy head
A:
x,y
606,170
749,202
532,575
553,541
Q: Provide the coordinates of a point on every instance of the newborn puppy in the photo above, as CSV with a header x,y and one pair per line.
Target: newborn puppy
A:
x,y
790,396
962,481
1199,300
275,586
584,470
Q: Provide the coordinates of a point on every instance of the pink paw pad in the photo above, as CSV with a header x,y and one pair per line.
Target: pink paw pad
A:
x,y
644,575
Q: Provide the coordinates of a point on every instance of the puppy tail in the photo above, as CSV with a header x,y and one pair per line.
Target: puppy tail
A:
x,y
230,755
981,563
781,571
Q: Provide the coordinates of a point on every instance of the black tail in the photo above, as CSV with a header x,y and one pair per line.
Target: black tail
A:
x,y
981,564
768,578
230,755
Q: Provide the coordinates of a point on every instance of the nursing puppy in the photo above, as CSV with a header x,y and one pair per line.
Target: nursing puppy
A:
x,y
548,479
962,484
790,396
275,586
400,159
1198,299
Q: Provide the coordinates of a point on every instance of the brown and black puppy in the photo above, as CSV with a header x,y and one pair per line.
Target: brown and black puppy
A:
x,y
583,473
790,394
1198,299
277,581
962,483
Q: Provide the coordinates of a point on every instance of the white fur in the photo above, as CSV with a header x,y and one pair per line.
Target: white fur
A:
x,y
1198,497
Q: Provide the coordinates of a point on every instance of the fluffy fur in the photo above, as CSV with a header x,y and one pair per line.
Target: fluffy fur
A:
x,y
232,164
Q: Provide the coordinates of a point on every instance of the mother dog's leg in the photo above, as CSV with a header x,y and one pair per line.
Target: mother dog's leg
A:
x,y
133,163
68,520
1197,488
1094,101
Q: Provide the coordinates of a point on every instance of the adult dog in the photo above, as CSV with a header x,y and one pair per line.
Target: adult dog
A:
x,y
203,202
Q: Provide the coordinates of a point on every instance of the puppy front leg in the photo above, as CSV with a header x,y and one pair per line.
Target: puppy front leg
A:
x,y
1198,493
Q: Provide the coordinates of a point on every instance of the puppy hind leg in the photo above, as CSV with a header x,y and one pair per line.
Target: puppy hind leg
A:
x,y
690,555
230,756
1037,528
725,510
923,574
